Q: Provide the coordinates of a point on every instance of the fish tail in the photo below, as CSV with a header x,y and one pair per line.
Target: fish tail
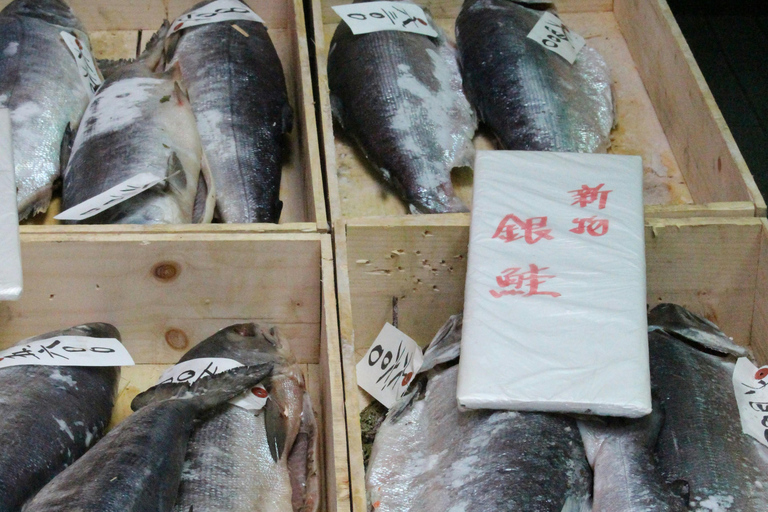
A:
x,y
154,54
207,392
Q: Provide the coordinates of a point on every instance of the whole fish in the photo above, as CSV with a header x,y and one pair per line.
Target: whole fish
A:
x,y
137,466
139,121
50,416
429,456
399,95
238,93
627,476
531,98
242,461
41,85
701,441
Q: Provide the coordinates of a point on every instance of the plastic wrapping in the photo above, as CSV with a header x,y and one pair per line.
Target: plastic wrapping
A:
x,y
532,98
429,456
555,305
10,249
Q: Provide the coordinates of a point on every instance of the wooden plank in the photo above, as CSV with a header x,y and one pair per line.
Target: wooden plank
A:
x,y
164,289
707,267
760,315
703,145
723,209
337,466
348,360
119,44
451,8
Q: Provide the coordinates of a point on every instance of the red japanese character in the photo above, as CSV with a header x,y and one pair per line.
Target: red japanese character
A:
x,y
587,195
533,229
593,226
516,279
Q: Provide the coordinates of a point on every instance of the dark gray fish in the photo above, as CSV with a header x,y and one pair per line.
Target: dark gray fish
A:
x,y
433,457
50,416
137,466
139,121
531,98
399,95
241,461
627,476
238,93
41,85
701,441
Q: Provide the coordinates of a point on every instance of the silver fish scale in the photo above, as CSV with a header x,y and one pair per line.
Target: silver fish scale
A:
x,y
701,441
239,96
229,467
437,459
531,98
399,95
41,85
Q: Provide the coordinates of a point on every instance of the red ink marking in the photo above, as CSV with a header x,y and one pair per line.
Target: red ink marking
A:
x,y
587,195
532,229
260,392
515,280
406,379
592,225
760,375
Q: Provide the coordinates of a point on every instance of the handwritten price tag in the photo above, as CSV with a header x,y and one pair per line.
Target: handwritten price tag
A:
x,y
215,12
389,366
133,186
68,351
194,369
550,33
85,63
367,17
750,384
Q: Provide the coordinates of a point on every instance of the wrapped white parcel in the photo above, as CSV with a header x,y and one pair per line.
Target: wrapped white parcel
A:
x,y
10,249
555,302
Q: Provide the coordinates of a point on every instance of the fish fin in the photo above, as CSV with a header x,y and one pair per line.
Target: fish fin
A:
x,y
180,95
287,117
416,391
153,55
207,392
174,174
337,110
302,462
277,428
680,323
446,344
205,199
66,147
574,504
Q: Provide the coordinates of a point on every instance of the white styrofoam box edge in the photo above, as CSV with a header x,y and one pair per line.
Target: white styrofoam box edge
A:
x,y
10,247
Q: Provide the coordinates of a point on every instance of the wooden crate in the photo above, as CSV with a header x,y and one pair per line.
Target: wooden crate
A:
x,y
166,293
119,29
717,267
666,114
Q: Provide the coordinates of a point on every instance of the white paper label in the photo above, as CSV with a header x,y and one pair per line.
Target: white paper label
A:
x,y
750,385
550,33
195,369
85,63
133,186
367,17
389,366
215,12
10,249
68,351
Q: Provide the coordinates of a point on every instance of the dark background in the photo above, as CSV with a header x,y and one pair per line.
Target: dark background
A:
x,y
729,39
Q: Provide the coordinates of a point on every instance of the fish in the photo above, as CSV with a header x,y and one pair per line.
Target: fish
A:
x,y
41,86
140,121
627,476
50,416
399,96
241,461
238,93
531,98
430,456
701,441
137,466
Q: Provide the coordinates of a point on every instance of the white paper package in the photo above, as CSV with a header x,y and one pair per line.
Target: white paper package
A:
x,y
10,251
555,301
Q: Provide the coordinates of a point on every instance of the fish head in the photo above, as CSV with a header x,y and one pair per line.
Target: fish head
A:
x,y
247,343
55,12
